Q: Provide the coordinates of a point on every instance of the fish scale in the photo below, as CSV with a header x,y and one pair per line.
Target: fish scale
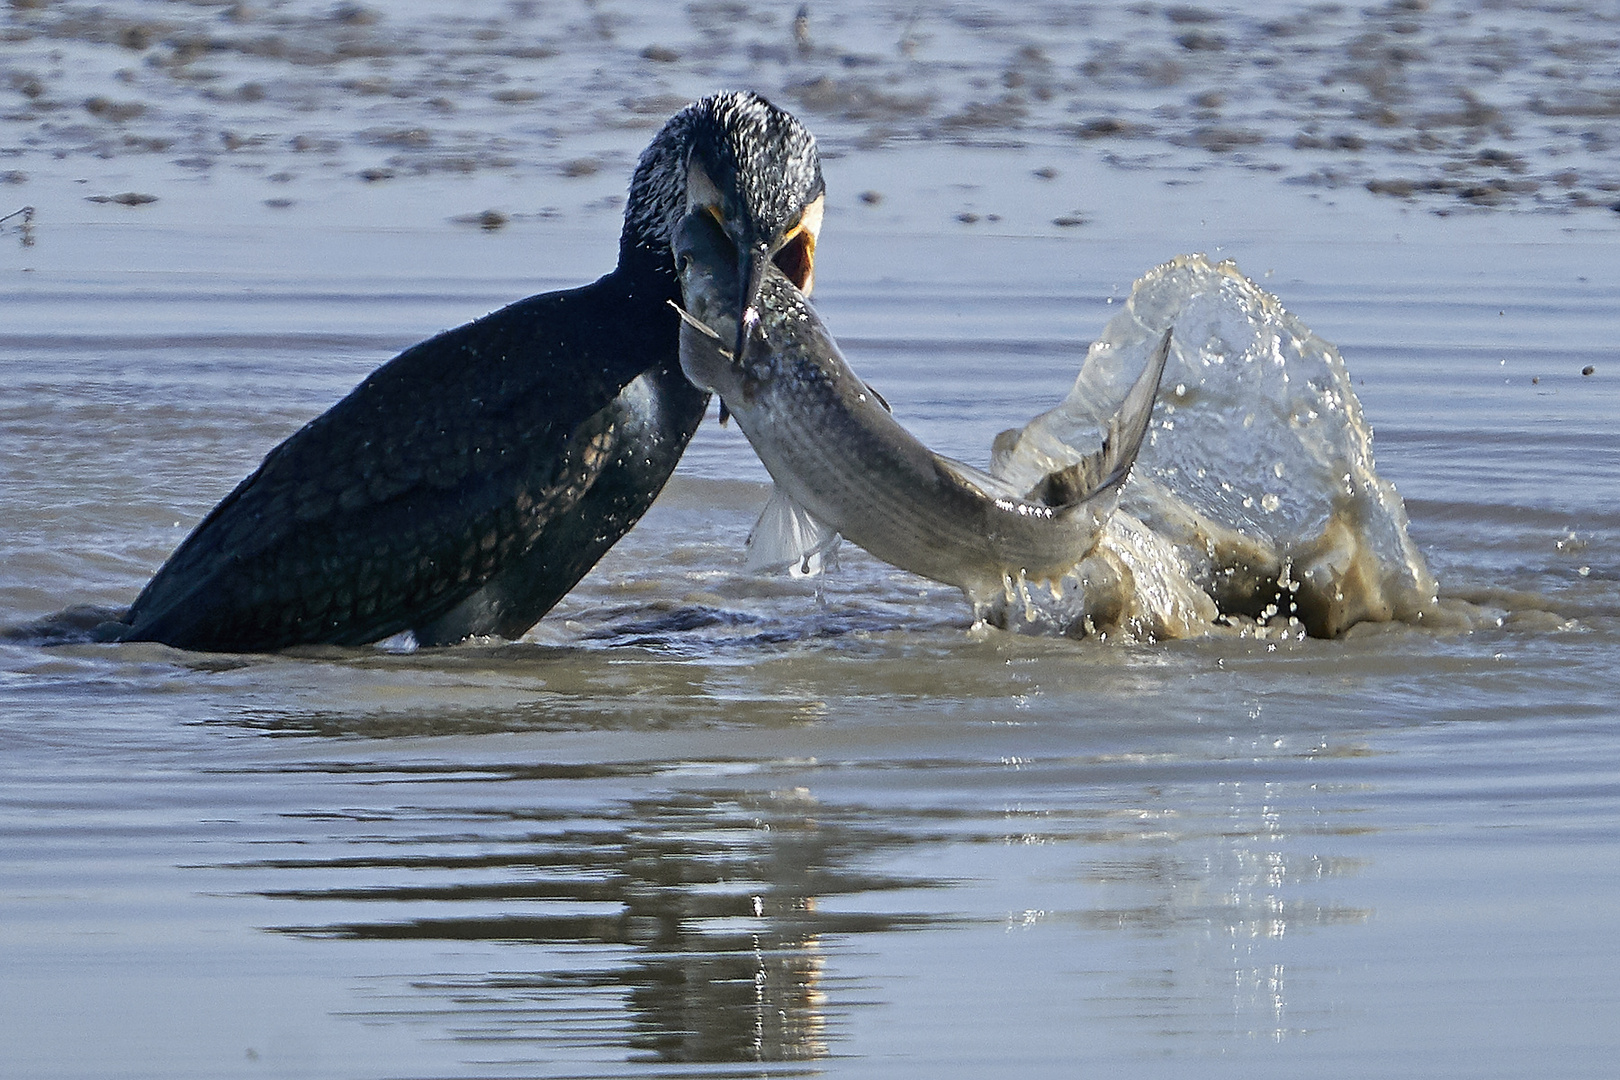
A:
x,y
839,454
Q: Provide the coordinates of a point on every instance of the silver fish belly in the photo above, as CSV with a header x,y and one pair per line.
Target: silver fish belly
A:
x,y
832,446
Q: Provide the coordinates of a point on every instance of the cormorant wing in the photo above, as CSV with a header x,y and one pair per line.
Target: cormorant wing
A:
x,y
413,491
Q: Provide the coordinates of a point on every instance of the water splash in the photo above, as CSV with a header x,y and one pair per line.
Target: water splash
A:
x,y
1255,502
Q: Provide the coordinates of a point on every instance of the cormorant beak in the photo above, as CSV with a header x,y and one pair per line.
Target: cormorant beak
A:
x,y
793,251
753,259
794,254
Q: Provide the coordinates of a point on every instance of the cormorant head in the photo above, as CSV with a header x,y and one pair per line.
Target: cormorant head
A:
x,y
750,167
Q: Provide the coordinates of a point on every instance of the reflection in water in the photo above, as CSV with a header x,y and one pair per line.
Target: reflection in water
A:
x,y
711,923
1235,886
1268,896
701,911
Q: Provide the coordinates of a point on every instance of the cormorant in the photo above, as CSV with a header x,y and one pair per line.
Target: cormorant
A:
x,y
466,485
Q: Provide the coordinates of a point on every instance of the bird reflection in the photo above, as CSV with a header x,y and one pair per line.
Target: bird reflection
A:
x,y
701,910
666,911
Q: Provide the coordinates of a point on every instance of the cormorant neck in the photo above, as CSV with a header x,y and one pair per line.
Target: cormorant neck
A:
x,y
647,265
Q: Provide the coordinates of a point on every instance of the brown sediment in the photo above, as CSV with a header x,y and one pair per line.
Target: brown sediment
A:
x,y
1220,140
1400,96
488,220
1104,127
127,198
1006,112
115,111
859,99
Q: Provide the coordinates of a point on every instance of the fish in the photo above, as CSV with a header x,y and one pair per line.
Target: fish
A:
x,y
835,450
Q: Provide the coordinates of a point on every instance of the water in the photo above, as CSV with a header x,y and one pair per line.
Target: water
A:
x,y
703,823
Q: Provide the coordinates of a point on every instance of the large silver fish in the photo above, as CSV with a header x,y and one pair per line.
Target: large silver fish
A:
x,y
832,447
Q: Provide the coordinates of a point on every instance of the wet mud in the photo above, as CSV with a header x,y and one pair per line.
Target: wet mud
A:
x,y
1447,105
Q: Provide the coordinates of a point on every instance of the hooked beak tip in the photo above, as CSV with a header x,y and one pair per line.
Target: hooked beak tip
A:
x,y
754,263
745,332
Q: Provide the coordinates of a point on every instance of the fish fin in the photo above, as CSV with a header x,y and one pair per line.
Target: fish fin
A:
x,y
1108,468
787,537
697,324
881,400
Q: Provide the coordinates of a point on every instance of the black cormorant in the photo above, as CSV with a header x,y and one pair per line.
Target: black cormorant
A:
x,y
469,483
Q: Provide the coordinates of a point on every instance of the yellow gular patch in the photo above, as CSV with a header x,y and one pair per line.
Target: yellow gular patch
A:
x,y
797,256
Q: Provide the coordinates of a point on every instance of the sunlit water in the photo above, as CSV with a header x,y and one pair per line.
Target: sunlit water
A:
x,y
706,823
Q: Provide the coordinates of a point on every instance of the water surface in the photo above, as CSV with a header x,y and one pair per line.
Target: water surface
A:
x,y
701,823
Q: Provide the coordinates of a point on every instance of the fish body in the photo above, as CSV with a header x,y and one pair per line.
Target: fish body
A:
x,y
832,446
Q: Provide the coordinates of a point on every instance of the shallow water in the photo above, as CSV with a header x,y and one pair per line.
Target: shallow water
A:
x,y
703,823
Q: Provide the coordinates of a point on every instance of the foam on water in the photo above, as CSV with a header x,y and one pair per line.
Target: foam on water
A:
x,y
1255,502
